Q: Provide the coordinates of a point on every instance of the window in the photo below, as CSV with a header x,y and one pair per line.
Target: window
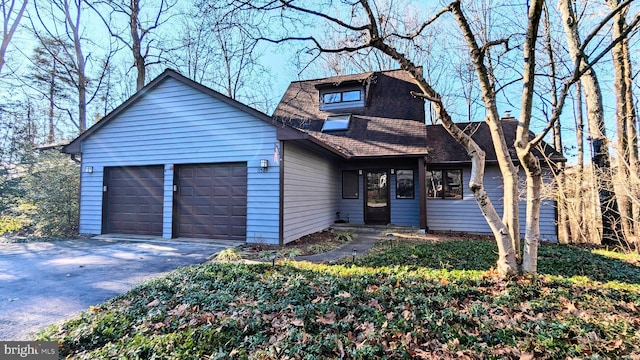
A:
x,y
444,184
341,96
350,181
336,122
404,184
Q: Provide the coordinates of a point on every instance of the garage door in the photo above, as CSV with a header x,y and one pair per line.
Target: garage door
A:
x,y
133,199
210,201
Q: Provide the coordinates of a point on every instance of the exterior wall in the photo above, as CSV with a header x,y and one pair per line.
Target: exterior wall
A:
x,y
177,124
309,186
465,216
404,212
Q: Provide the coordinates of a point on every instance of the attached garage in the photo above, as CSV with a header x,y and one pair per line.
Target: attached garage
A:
x,y
210,201
132,200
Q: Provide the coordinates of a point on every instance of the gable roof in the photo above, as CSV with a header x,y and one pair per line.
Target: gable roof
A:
x,y
442,147
74,146
390,124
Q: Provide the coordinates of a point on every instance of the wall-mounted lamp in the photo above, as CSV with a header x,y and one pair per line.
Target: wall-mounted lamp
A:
x,y
359,172
88,169
264,165
393,171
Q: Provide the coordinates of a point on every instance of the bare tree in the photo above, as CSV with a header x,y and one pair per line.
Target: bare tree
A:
x,y
142,35
8,28
62,20
627,159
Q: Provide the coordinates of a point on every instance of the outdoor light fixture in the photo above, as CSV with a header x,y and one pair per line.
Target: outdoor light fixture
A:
x,y
88,169
264,163
354,252
390,236
273,258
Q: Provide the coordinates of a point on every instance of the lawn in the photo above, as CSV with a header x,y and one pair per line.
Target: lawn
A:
x,y
407,299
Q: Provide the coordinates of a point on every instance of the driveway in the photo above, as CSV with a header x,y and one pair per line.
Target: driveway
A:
x,y
47,282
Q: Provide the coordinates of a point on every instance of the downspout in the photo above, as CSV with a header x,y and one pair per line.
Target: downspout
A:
x,y
75,159
281,184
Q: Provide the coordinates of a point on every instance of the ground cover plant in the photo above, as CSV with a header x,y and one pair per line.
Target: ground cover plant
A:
x,y
406,299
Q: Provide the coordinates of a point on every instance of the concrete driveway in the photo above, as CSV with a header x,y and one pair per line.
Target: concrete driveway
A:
x,y
44,283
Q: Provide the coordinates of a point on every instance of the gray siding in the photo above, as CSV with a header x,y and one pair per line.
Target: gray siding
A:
x,y
464,215
309,188
177,124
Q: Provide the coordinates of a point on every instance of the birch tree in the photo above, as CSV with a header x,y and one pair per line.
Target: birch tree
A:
x,y
9,10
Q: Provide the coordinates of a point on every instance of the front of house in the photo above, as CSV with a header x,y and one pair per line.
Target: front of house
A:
x,y
178,159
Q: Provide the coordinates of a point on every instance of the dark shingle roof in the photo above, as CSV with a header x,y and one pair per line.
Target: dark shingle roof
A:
x,y
391,123
442,148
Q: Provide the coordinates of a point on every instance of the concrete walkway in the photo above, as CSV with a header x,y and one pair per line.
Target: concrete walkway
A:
x,y
363,241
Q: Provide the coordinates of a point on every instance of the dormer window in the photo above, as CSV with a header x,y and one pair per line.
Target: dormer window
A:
x,y
342,96
332,99
336,122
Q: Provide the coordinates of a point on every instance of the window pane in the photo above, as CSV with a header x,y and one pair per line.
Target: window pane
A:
x,y
434,183
453,188
353,95
336,122
404,184
350,184
331,98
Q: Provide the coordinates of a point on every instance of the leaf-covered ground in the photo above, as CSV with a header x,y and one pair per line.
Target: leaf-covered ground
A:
x,y
409,300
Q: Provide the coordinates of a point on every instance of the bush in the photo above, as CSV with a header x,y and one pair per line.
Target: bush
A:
x,y
52,187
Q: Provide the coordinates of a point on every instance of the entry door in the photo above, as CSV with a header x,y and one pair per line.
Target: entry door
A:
x,y
376,209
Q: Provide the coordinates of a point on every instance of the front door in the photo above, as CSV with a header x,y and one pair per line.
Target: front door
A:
x,y
376,209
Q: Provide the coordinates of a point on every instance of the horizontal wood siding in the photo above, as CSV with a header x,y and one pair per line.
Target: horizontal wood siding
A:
x,y
465,216
351,210
91,201
177,124
309,192
405,212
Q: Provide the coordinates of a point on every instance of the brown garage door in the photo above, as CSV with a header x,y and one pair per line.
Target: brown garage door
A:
x,y
133,199
210,201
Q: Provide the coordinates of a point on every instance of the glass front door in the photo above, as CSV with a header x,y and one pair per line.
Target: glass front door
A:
x,y
377,200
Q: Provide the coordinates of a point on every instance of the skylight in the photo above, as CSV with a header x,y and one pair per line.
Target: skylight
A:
x,y
336,122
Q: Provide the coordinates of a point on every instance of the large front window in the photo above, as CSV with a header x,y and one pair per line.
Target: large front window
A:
x,y
444,184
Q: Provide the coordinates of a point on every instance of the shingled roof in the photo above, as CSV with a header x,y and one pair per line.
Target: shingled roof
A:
x,y
442,148
390,124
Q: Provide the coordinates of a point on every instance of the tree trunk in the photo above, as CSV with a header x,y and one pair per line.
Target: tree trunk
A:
x,y
511,215
74,26
136,44
595,118
626,117
530,163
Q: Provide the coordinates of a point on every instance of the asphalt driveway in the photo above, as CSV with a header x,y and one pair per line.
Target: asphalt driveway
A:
x,y
44,283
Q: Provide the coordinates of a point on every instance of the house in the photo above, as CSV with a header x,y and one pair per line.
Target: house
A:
x,y
178,159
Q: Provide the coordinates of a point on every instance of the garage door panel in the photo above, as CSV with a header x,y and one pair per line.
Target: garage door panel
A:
x,y
204,203
133,200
